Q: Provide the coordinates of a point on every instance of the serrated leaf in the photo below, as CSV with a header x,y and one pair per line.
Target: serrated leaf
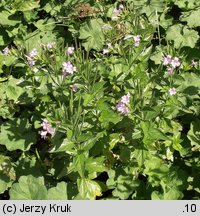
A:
x,y
28,188
92,34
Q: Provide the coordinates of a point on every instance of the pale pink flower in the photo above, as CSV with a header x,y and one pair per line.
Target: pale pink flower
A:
x,y
122,104
50,45
194,63
47,129
170,70
70,50
167,60
43,134
33,53
172,91
136,40
122,108
175,62
5,51
125,99
68,68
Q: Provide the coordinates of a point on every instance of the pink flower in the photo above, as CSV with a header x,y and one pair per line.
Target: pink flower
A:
x,y
68,68
136,40
50,45
43,134
125,99
172,91
33,53
121,107
5,51
194,63
170,70
175,62
47,129
70,50
167,60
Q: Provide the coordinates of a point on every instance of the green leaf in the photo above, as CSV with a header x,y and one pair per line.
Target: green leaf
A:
x,y
25,5
92,34
191,18
8,18
152,134
194,133
62,146
182,36
95,164
7,173
88,189
17,134
28,188
59,192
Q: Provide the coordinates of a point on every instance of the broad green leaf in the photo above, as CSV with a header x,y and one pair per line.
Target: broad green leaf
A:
x,y
28,188
182,36
59,192
92,34
62,146
88,189
191,18
152,134
95,164
8,18
17,134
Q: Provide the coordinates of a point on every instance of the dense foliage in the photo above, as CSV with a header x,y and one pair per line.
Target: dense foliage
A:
x,y
99,99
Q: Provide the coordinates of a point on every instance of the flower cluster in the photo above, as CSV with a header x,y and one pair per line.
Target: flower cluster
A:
x,y
122,104
46,129
116,12
32,56
68,68
171,63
